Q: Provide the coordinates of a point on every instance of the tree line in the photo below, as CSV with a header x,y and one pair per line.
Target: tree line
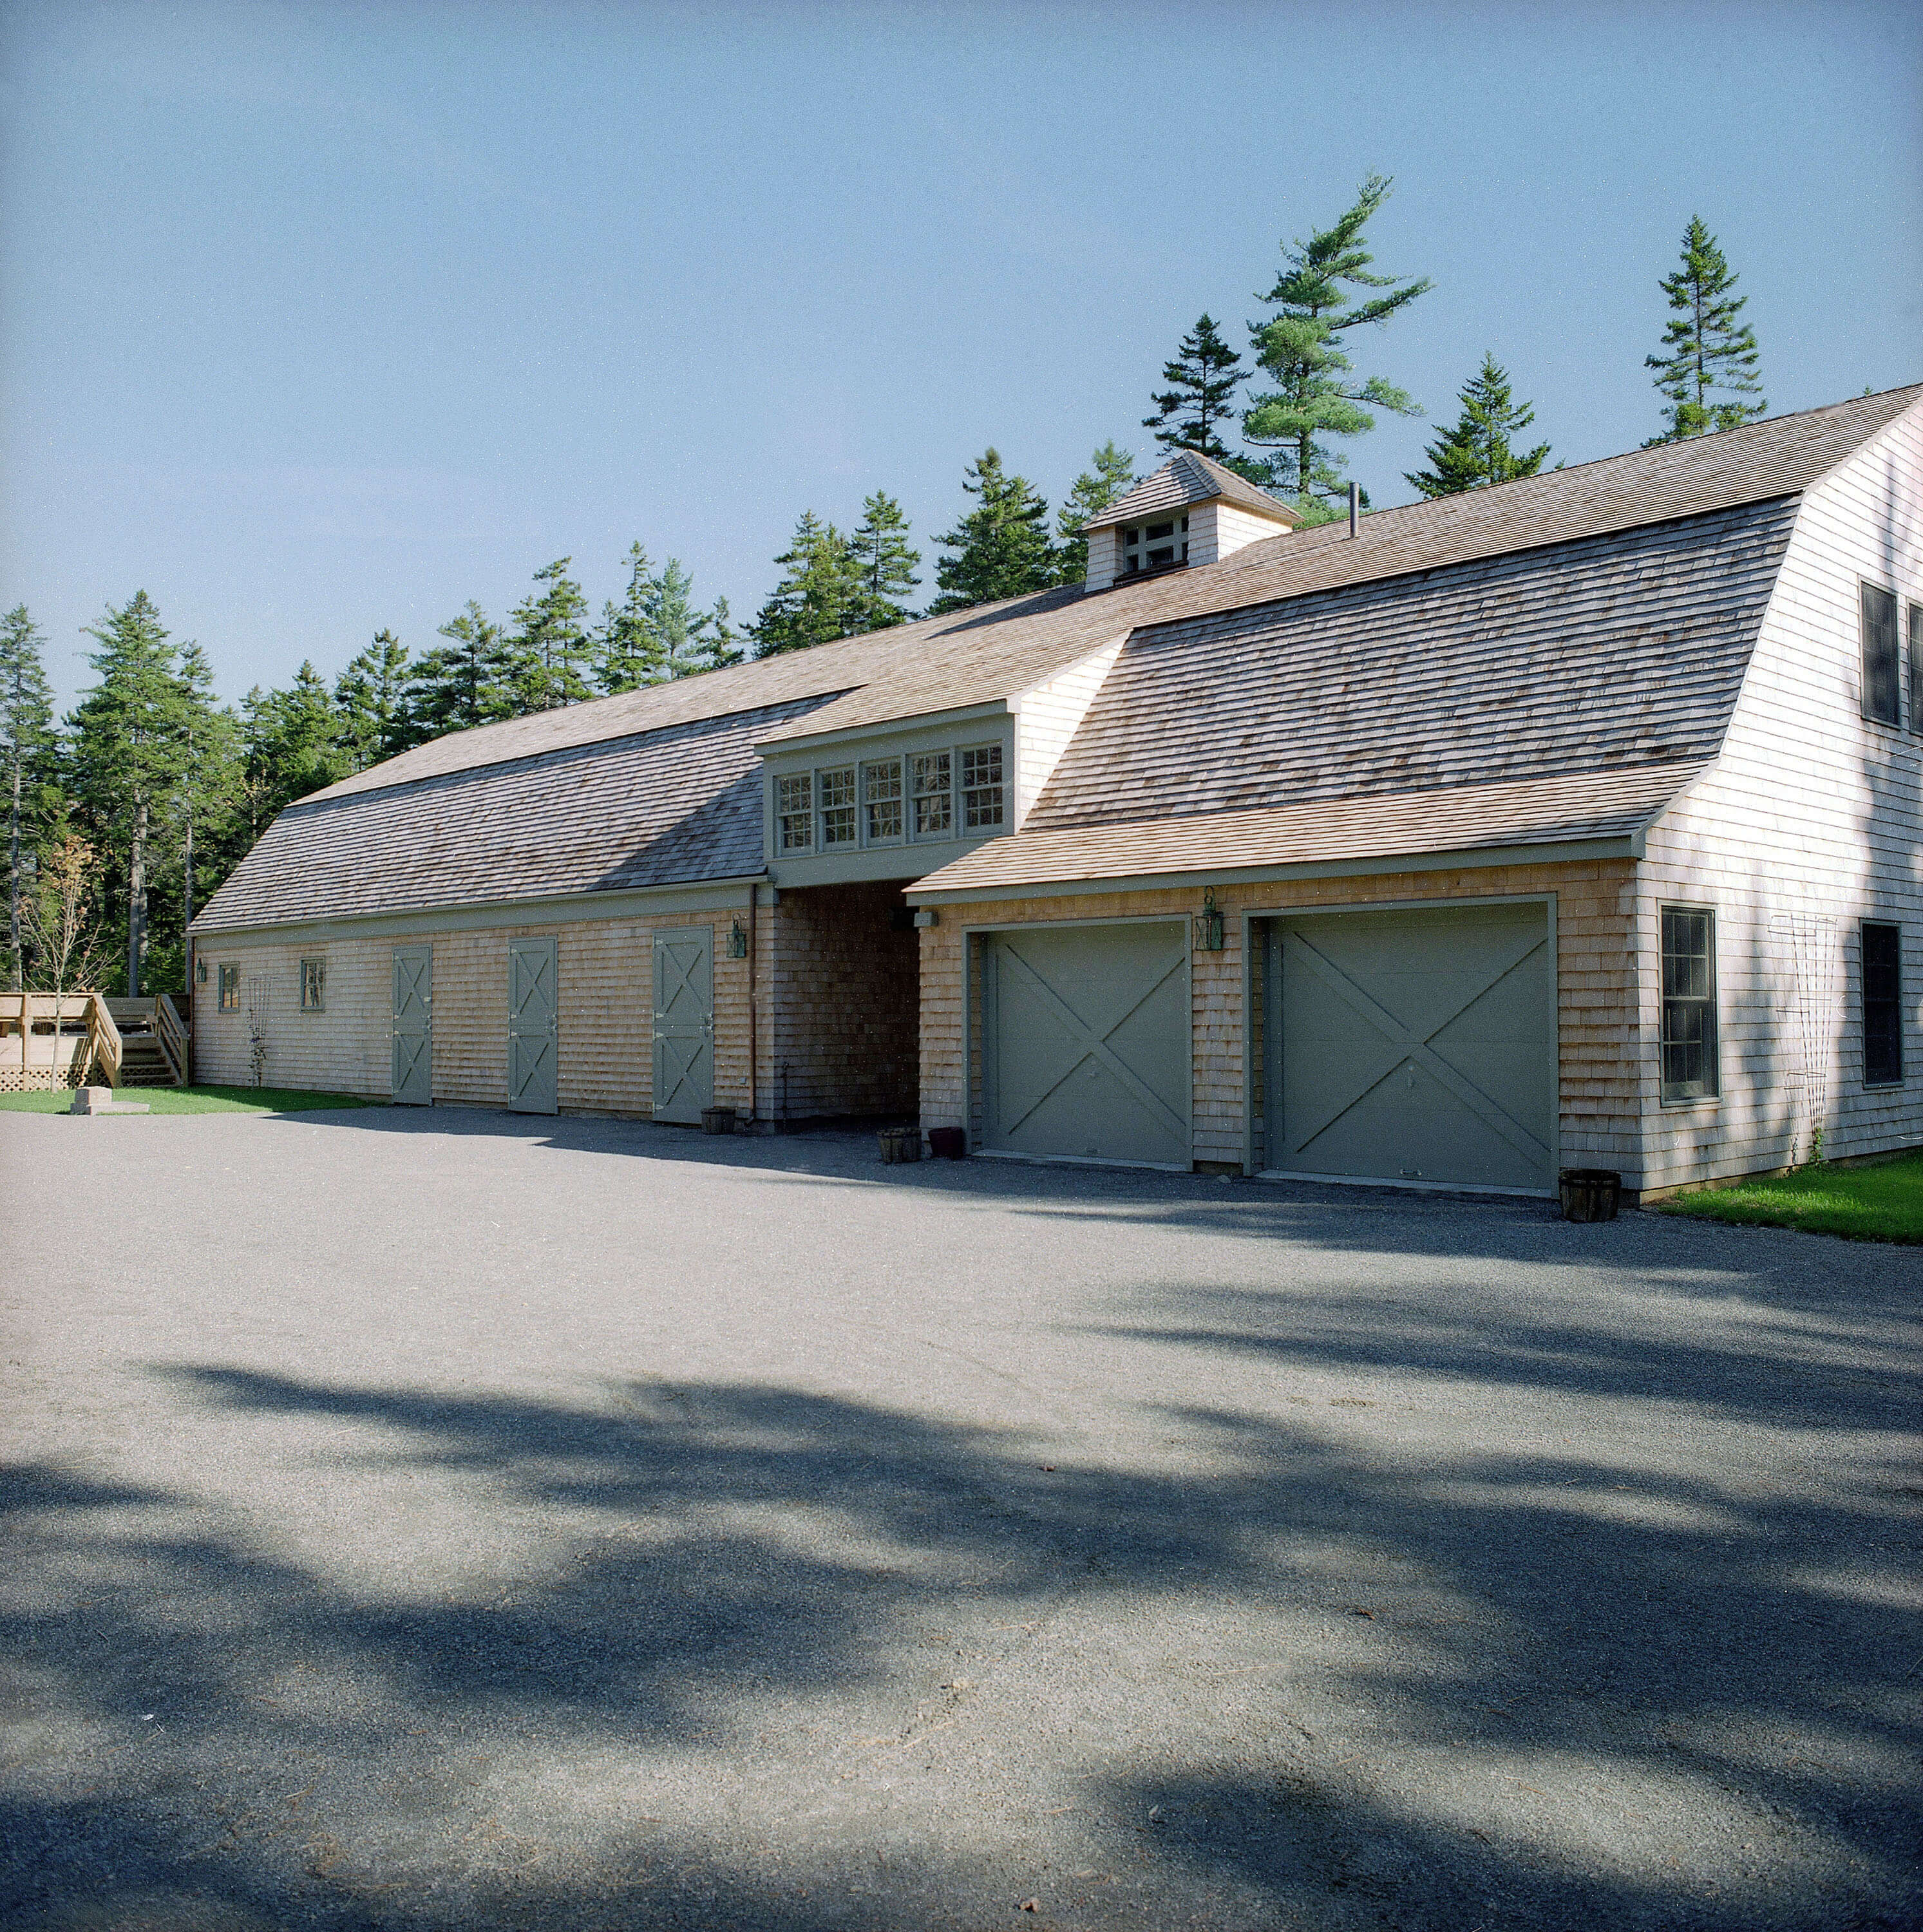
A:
x,y
127,814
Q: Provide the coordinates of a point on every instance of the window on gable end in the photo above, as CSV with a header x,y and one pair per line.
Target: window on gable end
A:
x,y
230,989
1880,689
1882,1005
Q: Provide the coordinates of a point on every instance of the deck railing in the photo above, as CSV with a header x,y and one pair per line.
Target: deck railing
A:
x,y
171,1030
58,1041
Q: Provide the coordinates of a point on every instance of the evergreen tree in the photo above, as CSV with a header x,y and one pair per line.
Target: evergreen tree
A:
x,y
1112,477
292,741
28,746
128,751
1202,381
628,651
371,697
1300,348
547,652
1478,450
818,599
1001,547
463,683
691,641
1708,349
211,788
885,562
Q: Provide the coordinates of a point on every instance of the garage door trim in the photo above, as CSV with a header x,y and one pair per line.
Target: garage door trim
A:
x,y
1253,916
972,990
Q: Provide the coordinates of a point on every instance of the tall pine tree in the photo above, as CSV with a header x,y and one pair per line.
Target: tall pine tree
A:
x,y
629,651
819,597
211,786
371,697
1319,298
27,745
293,741
1000,547
1202,381
1477,450
462,683
1111,477
1709,371
884,562
548,651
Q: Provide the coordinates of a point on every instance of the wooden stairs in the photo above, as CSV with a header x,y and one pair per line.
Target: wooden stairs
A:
x,y
155,1037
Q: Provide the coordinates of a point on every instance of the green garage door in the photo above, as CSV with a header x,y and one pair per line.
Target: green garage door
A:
x,y
1413,1046
1085,1042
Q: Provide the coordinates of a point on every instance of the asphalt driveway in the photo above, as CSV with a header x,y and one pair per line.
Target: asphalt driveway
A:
x,y
439,1520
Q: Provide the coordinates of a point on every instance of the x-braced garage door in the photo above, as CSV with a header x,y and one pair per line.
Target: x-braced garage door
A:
x,y
1414,1045
1085,1037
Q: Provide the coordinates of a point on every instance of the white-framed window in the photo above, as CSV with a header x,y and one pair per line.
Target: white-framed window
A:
x,y
881,802
981,787
794,812
935,794
230,989
1160,545
1882,1003
837,790
313,985
1689,1050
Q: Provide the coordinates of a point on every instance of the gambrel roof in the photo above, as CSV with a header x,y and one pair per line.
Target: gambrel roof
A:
x,y
1593,621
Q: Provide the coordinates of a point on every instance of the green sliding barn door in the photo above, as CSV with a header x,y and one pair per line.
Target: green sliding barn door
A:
x,y
684,1022
411,1075
1085,1040
534,1026
1417,1045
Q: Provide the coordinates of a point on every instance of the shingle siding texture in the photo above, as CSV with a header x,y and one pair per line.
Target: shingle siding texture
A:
x,y
670,807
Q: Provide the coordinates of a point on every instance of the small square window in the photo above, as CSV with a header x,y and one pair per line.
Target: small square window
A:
x,y
1690,1068
881,801
230,989
313,985
1882,1005
981,788
1880,698
794,812
935,798
838,807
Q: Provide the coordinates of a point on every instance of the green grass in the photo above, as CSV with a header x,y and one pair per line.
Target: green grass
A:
x,y
194,1100
1882,1200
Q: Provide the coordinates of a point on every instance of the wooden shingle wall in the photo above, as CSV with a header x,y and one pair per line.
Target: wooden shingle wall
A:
x,y
1595,991
1050,716
1810,821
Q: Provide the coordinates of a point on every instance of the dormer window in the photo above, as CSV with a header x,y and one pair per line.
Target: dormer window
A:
x,y
1157,546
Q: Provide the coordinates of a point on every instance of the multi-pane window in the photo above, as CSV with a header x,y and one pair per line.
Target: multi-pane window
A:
x,y
881,801
935,794
1882,1005
230,989
794,811
1158,546
1689,1004
981,788
1880,682
838,807
313,985
1916,668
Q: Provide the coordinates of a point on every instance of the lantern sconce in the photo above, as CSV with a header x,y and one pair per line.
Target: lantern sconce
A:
x,y
1208,925
199,972
737,941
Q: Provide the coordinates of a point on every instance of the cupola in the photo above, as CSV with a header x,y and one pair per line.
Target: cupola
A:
x,y
1192,511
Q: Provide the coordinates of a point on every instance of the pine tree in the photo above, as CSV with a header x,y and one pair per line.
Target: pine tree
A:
x,y
629,653
210,785
1709,349
27,745
1300,347
1001,547
371,697
293,741
1202,381
547,652
463,683
819,598
885,562
129,750
1478,450
1112,477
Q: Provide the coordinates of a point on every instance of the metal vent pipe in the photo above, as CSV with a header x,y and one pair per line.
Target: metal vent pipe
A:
x,y
1355,508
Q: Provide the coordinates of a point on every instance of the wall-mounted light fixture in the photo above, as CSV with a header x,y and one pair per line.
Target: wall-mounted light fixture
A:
x,y
927,916
199,972
737,941
1208,925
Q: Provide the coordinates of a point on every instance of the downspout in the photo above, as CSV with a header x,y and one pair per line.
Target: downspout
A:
x,y
753,1041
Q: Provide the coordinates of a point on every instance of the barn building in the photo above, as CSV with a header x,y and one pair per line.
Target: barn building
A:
x,y
1571,823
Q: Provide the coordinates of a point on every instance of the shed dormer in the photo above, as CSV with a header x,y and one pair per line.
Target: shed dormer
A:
x,y
1192,511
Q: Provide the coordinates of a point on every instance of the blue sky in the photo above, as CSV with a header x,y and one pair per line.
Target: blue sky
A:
x,y
318,318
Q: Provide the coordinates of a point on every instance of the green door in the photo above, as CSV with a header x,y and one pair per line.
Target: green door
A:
x,y
1413,1046
534,1026
684,1023
1085,1034
411,1079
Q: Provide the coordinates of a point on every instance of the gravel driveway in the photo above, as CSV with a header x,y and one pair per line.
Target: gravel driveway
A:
x,y
445,1520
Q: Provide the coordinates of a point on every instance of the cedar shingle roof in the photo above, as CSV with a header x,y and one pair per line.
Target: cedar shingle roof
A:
x,y
1187,478
1535,811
